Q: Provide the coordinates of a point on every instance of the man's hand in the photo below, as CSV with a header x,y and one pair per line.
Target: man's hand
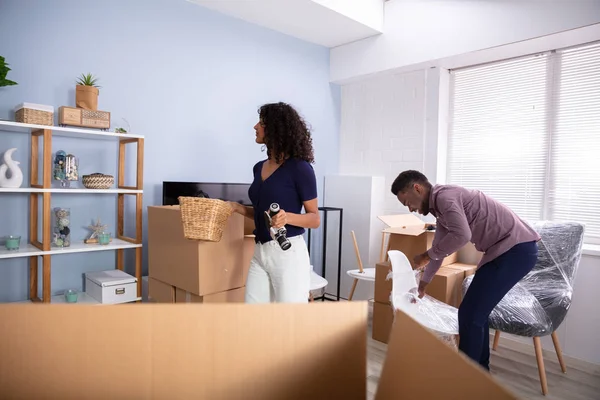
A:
x,y
421,260
422,286
279,220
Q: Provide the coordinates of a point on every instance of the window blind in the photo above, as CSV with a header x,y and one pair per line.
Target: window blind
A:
x,y
497,140
527,132
574,189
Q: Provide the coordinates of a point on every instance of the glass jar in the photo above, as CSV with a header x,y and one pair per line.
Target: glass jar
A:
x,y
62,227
66,168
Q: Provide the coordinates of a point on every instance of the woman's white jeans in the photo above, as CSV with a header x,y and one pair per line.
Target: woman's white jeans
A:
x,y
279,276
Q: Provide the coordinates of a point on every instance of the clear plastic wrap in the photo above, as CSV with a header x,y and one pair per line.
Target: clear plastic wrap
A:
x,y
538,304
438,317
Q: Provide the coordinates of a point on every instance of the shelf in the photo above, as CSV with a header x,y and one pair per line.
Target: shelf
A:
x,y
82,298
29,250
68,191
12,126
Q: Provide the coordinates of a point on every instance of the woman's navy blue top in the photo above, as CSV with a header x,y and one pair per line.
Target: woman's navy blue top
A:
x,y
291,184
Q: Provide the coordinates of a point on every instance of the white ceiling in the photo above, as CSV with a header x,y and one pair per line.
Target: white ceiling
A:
x,y
329,23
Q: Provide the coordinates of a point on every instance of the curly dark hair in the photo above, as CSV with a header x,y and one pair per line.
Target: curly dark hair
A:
x,y
286,133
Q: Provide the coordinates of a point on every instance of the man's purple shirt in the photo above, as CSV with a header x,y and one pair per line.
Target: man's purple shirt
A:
x,y
464,215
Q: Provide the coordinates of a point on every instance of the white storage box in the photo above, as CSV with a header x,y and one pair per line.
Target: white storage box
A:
x,y
111,287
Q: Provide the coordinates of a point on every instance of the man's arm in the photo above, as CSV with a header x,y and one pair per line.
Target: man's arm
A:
x,y
434,264
458,232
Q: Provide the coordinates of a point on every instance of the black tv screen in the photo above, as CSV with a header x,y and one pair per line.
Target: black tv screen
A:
x,y
237,192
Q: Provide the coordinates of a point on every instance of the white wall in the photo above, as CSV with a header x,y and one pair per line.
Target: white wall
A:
x,y
382,128
361,198
399,122
416,31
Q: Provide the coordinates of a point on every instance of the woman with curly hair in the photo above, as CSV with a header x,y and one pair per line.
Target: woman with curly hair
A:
x,y
287,178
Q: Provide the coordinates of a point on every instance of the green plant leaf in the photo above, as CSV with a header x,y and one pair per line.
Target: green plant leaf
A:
x,y
3,72
87,80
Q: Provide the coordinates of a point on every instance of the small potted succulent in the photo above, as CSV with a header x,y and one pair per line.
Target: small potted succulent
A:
x,y
123,130
3,72
86,92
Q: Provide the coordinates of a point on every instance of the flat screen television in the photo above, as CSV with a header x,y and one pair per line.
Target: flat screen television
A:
x,y
237,192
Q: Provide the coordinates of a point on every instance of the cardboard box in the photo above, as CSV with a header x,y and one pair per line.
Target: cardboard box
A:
x,y
218,351
383,319
468,270
160,292
409,234
383,287
199,267
249,226
445,286
229,296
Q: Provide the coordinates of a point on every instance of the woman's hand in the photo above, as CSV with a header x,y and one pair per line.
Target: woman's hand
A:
x,y
236,207
280,219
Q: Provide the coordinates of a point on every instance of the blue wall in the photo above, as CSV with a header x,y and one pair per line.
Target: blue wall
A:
x,y
187,78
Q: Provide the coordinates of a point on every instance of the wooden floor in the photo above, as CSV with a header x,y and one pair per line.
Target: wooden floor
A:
x,y
516,369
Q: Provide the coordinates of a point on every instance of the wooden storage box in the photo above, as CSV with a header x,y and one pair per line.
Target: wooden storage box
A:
x,y
198,267
83,118
111,287
30,113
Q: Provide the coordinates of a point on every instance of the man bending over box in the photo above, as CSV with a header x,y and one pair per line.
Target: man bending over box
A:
x,y
508,243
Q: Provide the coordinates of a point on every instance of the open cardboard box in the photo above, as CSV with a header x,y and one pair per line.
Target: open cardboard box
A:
x,y
223,351
411,236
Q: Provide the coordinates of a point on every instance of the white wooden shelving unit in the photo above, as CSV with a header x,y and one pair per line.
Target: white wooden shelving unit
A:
x,y
36,249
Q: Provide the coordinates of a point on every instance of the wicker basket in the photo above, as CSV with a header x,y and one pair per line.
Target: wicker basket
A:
x,y
204,219
97,181
32,116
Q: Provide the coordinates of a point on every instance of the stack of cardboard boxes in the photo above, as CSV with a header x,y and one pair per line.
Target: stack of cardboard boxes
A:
x,y
411,236
191,271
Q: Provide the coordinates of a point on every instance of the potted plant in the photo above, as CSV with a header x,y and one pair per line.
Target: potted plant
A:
x,y
3,71
86,93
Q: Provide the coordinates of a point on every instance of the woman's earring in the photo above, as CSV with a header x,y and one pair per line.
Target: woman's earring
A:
x,y
263,147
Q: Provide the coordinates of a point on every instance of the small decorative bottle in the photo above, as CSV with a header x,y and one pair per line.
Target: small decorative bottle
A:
x,y
66,168
62,230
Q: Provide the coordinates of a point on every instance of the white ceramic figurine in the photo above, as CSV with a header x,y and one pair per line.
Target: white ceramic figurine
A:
x,y
16,175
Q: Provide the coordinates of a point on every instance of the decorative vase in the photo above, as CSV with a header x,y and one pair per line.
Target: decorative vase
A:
x,y
86,97
66,168
62,227
16,175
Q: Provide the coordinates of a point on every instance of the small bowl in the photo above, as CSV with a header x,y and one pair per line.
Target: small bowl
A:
x,y
12,243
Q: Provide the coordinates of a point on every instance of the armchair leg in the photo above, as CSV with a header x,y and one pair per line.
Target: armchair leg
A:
x,y
537,343
353,289
496,340
563,367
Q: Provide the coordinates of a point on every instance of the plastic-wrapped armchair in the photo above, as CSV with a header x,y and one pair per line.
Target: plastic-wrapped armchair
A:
x,y
538,304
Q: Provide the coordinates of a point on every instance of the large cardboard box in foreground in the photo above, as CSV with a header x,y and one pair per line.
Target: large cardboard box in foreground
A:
x,y
199,267
410,235
219,351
